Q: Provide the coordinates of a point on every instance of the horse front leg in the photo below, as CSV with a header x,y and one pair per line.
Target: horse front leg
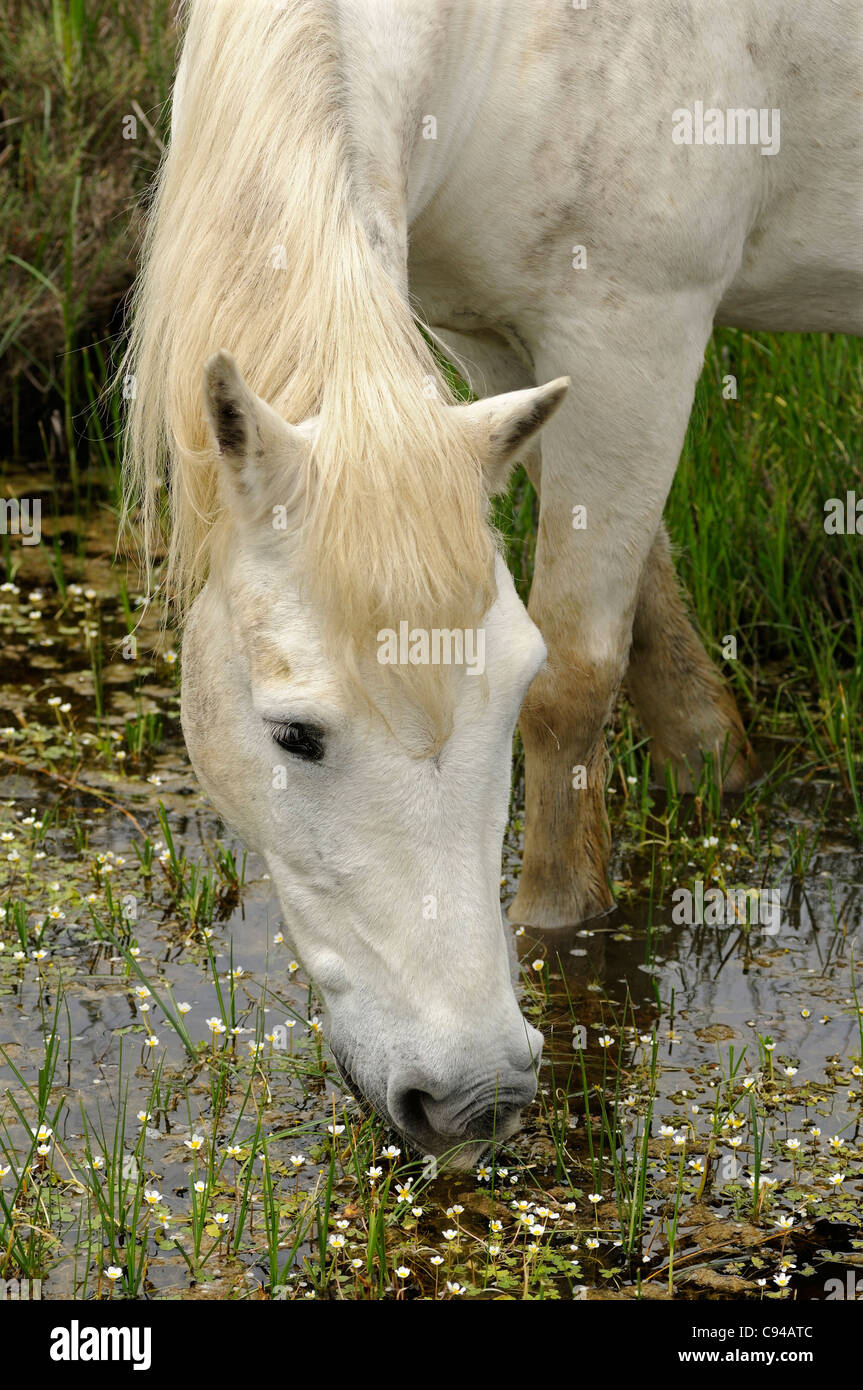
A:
x,y
564,877
608,460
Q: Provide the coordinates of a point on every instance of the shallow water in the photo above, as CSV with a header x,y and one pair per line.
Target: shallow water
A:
x,y
713,997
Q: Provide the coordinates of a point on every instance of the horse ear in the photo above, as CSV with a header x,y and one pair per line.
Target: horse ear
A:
x,y
502,426
256,444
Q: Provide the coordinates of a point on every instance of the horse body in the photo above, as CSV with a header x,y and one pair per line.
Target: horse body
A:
x,y
564,121
512,169
568,140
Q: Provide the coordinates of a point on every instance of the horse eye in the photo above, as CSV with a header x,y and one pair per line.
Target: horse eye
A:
x,y
302,740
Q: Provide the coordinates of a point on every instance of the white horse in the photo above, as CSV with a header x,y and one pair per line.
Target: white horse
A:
x,y
562,190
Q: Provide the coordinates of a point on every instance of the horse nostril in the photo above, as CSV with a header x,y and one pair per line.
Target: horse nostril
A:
x,y
408,1109
425,1120
486,1109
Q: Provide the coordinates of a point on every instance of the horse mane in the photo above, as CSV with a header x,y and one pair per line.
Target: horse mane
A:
x,y
254,243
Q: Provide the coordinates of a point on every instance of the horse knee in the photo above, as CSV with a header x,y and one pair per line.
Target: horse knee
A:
x,y
571,700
